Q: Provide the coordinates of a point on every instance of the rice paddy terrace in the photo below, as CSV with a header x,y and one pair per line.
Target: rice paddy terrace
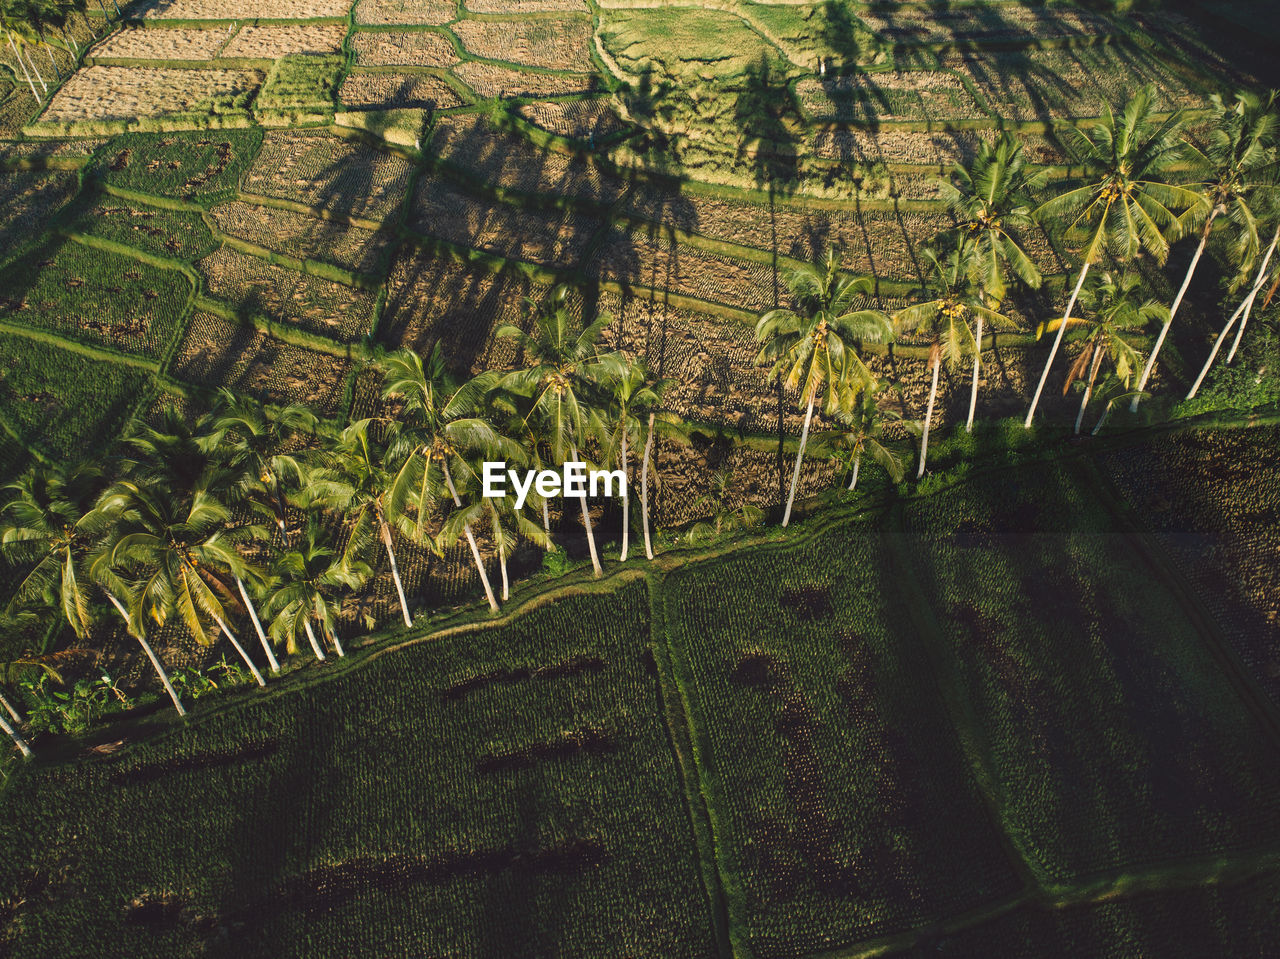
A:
x,y
876,752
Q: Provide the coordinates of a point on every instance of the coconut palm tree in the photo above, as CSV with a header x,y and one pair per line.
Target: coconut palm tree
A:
x,y
1113,313
635,396
177,550
311,580
814,346
719,503
860,432
506,524
991,200
443,437
355,478
559,390
1125,207
946,319
1238,158
12,24
51,529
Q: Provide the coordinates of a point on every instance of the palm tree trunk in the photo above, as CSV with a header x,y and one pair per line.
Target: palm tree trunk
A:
x,y
68,38
1057,341
471,541
253,615
240,649
39,79
853,480
644,489
977,363
337,643
626,503
395,569
8,707
22,63
1253,296
1106,411
546,519
795,473
151,655
1217,345
57,71
1088,390
282,514
586,522
16,737
311,636
928,415
1177,302
506,586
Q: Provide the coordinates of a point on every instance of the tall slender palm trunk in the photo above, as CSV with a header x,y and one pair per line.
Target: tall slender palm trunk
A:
x,y
506,584
395,568
644,489
586,522
1249,306
22,63
626,503
853,480
1106,411
8,708
928,416
311,638
226,631
1088,390
1057,341
151,655
977,365
795,473
257,625
471,541
16,737
337,643
1177,302
32,64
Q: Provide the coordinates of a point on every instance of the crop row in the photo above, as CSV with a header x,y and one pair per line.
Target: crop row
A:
x,y
304,237
176,234
197,166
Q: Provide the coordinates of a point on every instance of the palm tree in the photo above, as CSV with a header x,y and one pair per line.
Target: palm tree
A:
x,y
634,393
1125,207
11,24
560,386
443,437
174,547
946,318
311,580
51,526
506,524
816,344
1116,313
991,201
860,432
718,501
356,479
1237,158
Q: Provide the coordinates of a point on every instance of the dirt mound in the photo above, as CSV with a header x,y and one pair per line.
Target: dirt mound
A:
x,y
576,665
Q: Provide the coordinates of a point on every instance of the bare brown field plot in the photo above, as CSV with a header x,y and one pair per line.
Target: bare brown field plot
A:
x,y
123,93
271,42
490,80
302,236
233,10
390,91
428,12
554,44
175,43
418,48
575,119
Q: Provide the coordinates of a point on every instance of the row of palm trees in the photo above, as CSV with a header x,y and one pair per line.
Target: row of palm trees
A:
x,y
43,25
252,519
1146,184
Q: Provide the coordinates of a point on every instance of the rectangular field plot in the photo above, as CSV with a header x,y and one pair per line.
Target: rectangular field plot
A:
x,y
979,22
1072,81
125,93
1043,628
550,237
60,402
473,145
233,10
433,298
526,6
552,44
189,166
389,91
1211,500
641,259
492,81
178,43
896,146
95,296
845,806
418,48
506,791
314,304
305,237
28,200
589,120
271,42
217,352
329,173
872,98
176,234
406,11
